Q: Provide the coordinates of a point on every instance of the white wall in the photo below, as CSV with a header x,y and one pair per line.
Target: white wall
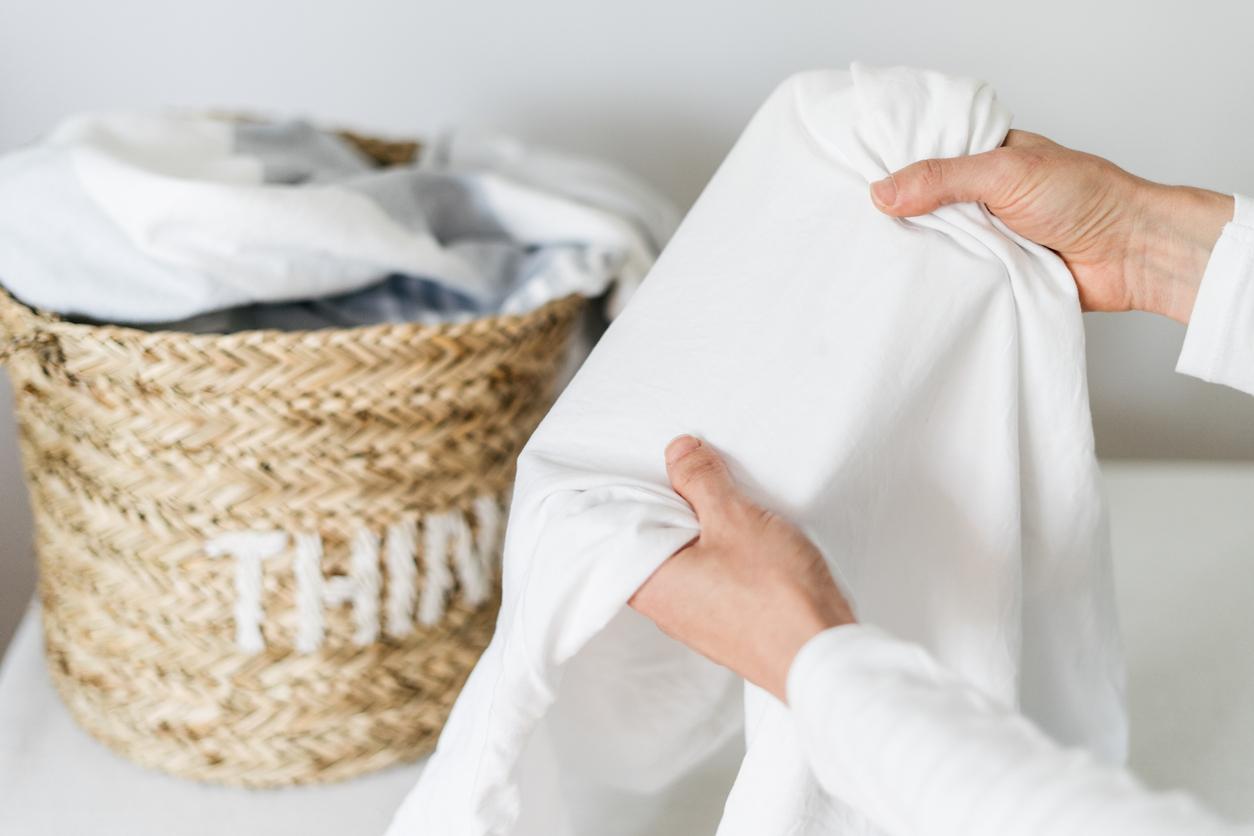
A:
x,y
1162,87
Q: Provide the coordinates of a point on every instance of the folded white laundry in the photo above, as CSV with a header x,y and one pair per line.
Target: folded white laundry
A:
x,y
911,392
147,218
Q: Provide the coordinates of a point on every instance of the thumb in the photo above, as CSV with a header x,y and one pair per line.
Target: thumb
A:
x,y
929,184
700,476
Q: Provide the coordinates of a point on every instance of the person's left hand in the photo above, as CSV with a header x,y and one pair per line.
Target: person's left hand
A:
x,y
751,589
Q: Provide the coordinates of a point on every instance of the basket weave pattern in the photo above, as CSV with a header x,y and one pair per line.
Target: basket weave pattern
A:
x,y
141,448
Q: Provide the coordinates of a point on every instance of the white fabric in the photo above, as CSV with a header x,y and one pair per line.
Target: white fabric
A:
x,y
911,392
140,218
1219,343
923,752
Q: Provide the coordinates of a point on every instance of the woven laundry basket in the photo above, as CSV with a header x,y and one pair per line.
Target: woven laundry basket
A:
x,y
268,558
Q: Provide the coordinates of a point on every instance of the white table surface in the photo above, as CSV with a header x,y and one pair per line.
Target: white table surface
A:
x,y
1184,550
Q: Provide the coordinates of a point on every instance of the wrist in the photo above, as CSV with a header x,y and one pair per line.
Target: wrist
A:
x,y
793,633
1176,229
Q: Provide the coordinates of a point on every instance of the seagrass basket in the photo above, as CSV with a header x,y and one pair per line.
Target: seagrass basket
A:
x,y
269,558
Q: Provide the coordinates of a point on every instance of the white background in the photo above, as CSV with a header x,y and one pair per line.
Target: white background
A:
x,y
1163,88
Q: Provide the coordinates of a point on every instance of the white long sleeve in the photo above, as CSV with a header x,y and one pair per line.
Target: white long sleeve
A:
x,y
919,751
1219,345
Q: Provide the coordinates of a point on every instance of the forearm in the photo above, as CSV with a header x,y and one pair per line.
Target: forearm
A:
x,y
919,751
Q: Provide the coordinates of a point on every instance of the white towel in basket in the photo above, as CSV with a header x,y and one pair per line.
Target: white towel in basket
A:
x,y
142,218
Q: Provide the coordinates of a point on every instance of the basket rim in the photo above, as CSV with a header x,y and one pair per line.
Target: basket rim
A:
x,y
52,323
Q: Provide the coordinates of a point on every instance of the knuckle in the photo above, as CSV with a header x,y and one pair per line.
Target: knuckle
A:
x,y
698,467
1012,171
742,515
1025,161
932,173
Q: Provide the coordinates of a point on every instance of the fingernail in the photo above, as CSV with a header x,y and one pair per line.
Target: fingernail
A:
x,y
884,192
680,446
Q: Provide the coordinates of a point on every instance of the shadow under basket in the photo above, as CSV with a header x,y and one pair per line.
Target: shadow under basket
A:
x,y
270,558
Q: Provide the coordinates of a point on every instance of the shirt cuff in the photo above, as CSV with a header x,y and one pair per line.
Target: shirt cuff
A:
x,y
1219,343
844,649
812,658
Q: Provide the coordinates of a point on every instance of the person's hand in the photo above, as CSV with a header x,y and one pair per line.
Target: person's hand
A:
x,y
751,589
1129,243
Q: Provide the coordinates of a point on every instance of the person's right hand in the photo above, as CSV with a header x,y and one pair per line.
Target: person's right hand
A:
x,y
1129,243
751,589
